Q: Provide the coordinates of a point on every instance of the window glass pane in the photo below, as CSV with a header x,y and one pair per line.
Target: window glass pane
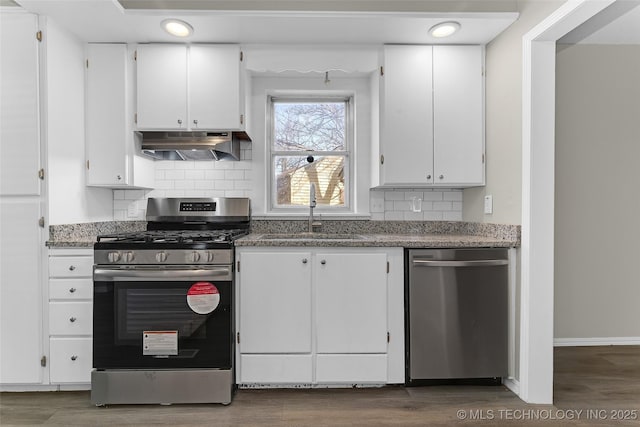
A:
x,y
293,176
317,126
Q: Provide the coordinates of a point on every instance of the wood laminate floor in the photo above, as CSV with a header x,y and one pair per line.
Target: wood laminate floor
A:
x,y
593,386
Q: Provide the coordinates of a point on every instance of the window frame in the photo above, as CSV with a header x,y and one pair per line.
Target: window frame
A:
x,y
348,153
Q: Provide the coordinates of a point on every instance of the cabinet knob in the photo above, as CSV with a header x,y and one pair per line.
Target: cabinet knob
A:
x,y
74,357
119,177
72,319
441,177
304,260
323,262
72,290
179,121
195,122
72,267
428,176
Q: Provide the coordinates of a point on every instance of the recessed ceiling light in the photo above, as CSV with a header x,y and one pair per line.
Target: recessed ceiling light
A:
x,y
177,28
444,29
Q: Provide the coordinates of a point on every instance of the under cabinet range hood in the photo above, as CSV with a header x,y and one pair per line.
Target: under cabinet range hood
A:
x,y
178,145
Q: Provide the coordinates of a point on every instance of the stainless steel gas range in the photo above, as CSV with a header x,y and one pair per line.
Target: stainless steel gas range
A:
x,y
163,323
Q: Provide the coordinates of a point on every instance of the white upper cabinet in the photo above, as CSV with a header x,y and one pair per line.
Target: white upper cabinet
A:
x,y
111,144
406,154
162,86
214,87
458,115
432,116
19,133
199,87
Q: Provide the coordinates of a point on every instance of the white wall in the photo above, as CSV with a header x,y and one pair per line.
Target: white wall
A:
x,y
503,87
69,200
597,204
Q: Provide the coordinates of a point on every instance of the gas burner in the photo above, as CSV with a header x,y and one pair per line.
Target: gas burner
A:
x,y
174,236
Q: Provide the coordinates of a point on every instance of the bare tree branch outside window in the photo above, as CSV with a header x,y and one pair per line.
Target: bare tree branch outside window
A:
x,y
303,131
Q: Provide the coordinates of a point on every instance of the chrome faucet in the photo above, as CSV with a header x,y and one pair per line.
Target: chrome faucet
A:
x,y
312,205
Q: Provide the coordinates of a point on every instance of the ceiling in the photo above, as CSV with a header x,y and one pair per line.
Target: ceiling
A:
x,y
277,22
617,24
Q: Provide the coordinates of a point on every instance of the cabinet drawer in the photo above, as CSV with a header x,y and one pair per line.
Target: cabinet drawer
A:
x,y
276,368
352,368
71,360
72,266
71,318
74,289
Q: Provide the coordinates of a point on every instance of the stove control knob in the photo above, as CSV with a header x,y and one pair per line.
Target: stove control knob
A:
x,y
161,256
210,256
113,256
195,256
129,257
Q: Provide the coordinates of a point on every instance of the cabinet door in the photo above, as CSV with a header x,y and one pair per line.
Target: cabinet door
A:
x,y
407,116
275,302
106,114
71,360
458,115
214,87
19,133
351,303
162,86
20,293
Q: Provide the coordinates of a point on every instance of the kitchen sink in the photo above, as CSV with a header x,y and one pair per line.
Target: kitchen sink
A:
x,y
311,236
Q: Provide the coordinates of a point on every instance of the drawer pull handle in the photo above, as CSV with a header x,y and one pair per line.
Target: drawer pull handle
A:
x,y
72,290
72,319
74,357
72,267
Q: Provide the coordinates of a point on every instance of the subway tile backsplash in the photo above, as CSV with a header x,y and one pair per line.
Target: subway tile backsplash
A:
x,y
188,179
416,204
235,179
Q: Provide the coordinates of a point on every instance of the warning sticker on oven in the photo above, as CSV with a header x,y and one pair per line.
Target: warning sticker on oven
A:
x,y
203,297
159,343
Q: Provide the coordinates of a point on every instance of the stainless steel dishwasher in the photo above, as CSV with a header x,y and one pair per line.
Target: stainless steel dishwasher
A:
x,y
456,315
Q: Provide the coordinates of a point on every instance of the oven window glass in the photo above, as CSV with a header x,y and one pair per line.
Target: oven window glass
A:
x,y
124,310
156,310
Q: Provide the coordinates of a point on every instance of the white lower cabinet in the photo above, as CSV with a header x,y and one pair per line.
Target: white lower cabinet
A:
x,y
319,316
71,360
70,316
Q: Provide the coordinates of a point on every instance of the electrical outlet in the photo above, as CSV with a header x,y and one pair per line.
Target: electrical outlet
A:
x,y
377,205
488,204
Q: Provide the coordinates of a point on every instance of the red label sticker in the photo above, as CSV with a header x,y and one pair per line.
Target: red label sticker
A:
x,y
203,297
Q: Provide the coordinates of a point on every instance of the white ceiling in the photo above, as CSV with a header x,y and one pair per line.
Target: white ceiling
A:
x,y
108,21
617,24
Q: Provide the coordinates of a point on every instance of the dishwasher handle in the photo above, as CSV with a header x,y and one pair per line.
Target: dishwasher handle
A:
x,y
473,263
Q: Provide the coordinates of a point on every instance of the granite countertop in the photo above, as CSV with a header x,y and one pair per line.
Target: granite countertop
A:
x,y
84,235
375,240
335,233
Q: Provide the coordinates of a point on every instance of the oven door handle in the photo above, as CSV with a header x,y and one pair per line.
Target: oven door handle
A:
x,y
101,274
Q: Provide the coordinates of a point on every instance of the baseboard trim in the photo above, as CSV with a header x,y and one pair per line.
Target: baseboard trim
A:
x,y
512,384
582,342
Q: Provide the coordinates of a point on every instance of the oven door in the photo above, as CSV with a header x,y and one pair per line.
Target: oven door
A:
x,y
162,317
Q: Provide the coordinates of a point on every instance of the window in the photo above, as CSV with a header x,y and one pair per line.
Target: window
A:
x,y
310,143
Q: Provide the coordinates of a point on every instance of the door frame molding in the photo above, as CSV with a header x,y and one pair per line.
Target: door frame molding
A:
x,y
538,188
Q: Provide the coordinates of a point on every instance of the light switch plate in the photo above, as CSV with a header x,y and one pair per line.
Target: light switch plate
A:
x,y
488,204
